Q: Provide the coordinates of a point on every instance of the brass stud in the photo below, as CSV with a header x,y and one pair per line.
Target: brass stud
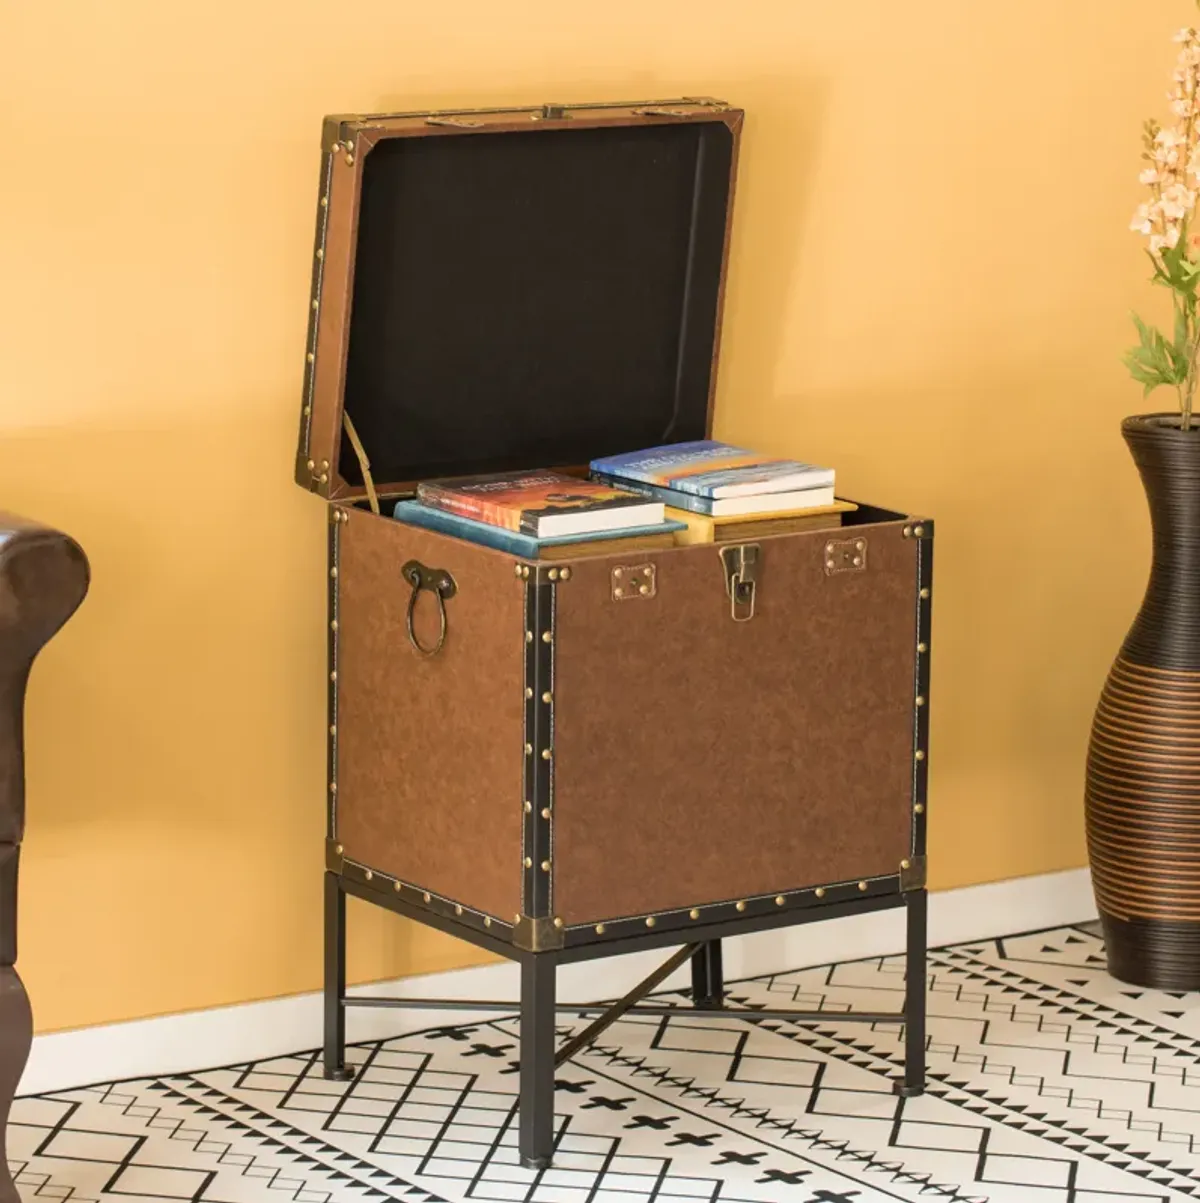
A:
x,y
741,906
528,636
333,625
333,571
862,885
920,700
397,886
545,866
349,160
333,787
528,807
426,896
323,478
487,921
516,570
906,864
618,592
553,574
307,410
599,929
333,675
529,862
828,563
857,561
320,252
919,808
525,572
779,900
517,917
528,692
311,464
918,531
925,593
339,850
558,923
324,202
922,648
547,697
316,303
545,812
693,913
618,572
644,589
860,545
650,921
920,754
546,637
458,910
332,729
565,574
310,358
829,549
820,891
908,532
368,874
529,749
545,753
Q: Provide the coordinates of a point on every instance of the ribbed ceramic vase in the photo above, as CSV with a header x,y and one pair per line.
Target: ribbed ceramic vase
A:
x,y
1143,772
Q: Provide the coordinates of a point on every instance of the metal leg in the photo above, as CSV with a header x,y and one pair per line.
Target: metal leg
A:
x,y
537,1060
914,997
335,981
708,979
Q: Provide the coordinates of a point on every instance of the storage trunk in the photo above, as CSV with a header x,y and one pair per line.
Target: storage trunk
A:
x,y
572,758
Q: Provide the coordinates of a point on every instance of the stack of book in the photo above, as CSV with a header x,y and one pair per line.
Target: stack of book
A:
x,y
722,493
540,515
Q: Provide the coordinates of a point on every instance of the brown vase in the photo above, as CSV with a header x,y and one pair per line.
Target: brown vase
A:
x,y
1143,771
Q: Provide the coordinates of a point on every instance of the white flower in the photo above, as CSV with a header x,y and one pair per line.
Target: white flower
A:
x,y
1183,108
1177,202
1150,176
1143,220
1186,34
1169,137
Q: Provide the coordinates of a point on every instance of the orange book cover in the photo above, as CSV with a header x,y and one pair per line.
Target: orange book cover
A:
x,y
518,500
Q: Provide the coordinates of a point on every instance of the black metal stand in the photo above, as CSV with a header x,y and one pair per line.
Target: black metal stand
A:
x,y
536,1140
917,906
335,981
538,1008
708,978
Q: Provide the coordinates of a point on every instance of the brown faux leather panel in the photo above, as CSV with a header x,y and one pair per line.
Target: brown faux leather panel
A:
x,y
43,578
430,752
698,759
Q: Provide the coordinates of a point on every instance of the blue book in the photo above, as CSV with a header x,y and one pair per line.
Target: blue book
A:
x,y
707,468
517,544
774,504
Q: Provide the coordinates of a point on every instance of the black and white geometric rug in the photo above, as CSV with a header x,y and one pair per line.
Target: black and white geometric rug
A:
x,y
1049,1083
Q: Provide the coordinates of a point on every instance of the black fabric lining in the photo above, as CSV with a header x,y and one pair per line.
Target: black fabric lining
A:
x,y
534,299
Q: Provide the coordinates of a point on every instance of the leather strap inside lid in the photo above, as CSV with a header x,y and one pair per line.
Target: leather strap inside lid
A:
x,y
363,463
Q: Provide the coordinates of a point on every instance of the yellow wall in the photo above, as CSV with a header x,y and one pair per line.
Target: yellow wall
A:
x,y
929,289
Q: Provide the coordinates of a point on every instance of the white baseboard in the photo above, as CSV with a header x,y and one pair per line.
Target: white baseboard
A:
x,y
226,1035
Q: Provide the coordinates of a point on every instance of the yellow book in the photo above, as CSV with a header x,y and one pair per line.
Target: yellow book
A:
x,y
703,528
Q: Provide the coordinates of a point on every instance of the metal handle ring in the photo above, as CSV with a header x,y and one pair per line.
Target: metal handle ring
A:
x,y
441,585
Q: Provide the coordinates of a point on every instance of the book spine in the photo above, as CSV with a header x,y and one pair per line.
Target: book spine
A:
x,y
465,505
671,497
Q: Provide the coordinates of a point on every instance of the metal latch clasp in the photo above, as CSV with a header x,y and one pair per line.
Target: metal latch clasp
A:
x,y
742,563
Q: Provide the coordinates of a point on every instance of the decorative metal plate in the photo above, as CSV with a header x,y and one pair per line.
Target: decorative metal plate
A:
x,y
633,581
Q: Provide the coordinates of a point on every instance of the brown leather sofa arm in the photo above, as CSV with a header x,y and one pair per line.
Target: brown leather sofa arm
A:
x,y
43,578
